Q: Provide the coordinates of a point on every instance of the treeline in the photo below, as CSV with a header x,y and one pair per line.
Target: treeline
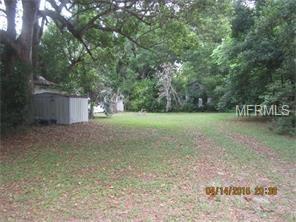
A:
x,y
169,68
257,60
225,54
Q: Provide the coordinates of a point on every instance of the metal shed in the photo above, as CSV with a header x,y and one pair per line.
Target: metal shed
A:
x,y
59,108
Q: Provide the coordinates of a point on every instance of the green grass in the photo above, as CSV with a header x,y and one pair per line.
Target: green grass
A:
x,y
209,124
148,160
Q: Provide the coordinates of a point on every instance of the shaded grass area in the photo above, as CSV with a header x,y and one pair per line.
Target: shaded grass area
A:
x,y
146,169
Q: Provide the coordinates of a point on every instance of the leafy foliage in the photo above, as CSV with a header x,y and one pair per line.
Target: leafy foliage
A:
x,y
14,98
229,53
257,58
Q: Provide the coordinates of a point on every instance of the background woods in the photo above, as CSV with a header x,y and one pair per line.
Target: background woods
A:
x,y
234,52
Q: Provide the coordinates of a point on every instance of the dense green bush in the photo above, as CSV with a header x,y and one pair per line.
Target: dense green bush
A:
x,y
144,96
15,99
285,125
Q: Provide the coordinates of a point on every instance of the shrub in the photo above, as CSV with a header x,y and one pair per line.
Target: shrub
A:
x,y
15,99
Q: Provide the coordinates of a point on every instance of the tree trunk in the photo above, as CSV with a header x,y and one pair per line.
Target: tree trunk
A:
x,y
92,103
30,18
9,54
168,102
21,48
17,79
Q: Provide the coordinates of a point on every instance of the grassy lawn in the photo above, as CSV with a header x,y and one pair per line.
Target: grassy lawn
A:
x,y
147,167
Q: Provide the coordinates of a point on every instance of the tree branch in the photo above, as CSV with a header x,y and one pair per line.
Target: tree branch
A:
x,y
76,33
2,10
91,22
137,16
119,31
58,17
56,7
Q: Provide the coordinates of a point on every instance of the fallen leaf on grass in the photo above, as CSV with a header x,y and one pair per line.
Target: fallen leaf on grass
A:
x,y
266,210
248,198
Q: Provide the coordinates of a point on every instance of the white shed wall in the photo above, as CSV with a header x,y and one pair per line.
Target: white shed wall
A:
x,y
120,106
61,110
78,110
48,106
41,107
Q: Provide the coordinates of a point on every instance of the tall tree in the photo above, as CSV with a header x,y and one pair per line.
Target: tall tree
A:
x,y
80,18
165,84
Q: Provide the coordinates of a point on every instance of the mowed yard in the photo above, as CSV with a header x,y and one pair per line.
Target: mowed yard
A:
x,y
147,167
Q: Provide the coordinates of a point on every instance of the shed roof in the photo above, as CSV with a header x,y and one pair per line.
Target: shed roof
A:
x,y
40,80
61,94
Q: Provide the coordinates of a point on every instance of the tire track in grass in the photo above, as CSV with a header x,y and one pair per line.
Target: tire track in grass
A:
x,y
212,168
273,171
